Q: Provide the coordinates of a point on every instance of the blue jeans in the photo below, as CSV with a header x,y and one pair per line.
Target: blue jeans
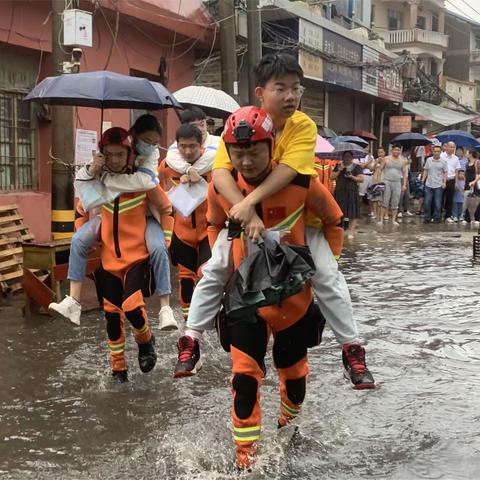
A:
x,y
85,237
457,210
435,194
159,259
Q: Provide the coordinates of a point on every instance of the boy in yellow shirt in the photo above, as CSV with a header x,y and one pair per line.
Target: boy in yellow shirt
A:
x,y
279,90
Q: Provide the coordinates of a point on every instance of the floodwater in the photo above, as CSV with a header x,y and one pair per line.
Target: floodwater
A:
x,y
416,297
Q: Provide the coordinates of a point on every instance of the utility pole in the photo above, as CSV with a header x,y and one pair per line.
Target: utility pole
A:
x,y
62,140
254,54
228,42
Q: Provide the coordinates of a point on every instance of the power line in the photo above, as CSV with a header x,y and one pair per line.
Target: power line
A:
x,y
466,15
469,6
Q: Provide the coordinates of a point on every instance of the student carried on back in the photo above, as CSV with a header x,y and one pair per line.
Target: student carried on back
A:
x,y
189,248
279,90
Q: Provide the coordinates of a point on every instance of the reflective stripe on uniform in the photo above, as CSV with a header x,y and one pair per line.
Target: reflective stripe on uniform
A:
x,y
293,412
126,205
246,434
289,222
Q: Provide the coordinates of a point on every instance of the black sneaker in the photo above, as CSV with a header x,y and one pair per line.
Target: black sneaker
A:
x,y
353,356
120,377
147,358
188,362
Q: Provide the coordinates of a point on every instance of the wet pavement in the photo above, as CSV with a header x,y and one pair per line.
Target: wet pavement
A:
x,y
416,296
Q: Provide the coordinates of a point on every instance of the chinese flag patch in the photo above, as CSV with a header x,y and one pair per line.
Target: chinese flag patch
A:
x,y
276,213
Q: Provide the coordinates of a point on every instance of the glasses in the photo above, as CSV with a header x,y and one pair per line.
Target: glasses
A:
x,y
297,92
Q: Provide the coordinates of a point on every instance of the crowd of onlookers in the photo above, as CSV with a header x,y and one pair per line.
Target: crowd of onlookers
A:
x,y
447,187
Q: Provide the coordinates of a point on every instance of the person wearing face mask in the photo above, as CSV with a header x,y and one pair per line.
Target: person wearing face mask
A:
x,y
145,134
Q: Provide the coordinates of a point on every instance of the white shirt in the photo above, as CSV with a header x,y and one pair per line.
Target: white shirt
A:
x,y
453,164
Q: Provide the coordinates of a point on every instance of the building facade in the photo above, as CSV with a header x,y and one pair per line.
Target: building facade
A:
x,y
154,39
415,26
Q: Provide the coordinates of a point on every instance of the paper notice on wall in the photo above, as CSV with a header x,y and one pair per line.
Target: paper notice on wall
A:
x,y
85,146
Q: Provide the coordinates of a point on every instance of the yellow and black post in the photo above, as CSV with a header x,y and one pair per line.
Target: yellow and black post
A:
x,y
62,140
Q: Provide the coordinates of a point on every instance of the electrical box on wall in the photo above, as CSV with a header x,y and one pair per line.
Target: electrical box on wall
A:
x,y
77,28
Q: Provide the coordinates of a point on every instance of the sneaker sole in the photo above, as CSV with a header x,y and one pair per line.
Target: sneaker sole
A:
x,y
167,328
57,314
189,373
358,386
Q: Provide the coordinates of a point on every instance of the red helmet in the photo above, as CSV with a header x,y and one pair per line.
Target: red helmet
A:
x,y
115,136
248,124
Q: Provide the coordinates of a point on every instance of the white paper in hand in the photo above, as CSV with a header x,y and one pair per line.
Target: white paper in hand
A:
x,y
186,197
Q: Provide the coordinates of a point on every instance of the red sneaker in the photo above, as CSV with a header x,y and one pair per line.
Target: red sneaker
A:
x,y
353,356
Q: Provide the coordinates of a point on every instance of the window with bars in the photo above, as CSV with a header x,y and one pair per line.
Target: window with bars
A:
x,y
17,149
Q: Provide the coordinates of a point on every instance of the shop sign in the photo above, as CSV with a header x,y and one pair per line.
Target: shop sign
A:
x,y
400,124
342,48
390,84
310,35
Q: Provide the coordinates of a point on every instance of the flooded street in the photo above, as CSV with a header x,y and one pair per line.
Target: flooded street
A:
x,y
416,297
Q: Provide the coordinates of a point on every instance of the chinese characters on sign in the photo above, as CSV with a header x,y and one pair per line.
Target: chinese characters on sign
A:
x,y
400,124
310,35
342,48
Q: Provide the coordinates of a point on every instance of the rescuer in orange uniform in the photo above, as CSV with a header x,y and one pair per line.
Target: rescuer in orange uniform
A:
x,y
248,137
189,247
125,272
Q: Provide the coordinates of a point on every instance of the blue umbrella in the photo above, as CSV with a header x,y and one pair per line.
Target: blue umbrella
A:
x,y
460,138
340,149
103,89
349,139
409,140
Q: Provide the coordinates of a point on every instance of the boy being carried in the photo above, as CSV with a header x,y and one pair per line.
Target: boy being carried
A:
x,y
279,89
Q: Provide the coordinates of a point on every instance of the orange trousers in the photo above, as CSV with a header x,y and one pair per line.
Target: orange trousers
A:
x,y
122,297
248,346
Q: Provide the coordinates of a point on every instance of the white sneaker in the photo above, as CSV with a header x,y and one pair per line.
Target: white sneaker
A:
x,y
166,320
399,215
463,222
68,308
455,219
449,220
409,214
476,223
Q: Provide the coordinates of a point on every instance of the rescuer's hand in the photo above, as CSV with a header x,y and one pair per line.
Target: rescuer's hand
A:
x,y
97,164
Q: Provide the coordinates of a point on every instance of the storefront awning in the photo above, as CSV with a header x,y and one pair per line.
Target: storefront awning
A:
x,y
441,115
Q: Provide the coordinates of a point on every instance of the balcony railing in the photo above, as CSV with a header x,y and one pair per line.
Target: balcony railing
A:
x,y
415,35
475,56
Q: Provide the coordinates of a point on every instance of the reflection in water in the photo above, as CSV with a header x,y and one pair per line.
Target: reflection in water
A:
x,y
417,301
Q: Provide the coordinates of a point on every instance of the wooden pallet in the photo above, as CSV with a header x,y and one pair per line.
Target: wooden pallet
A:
x,y
13,233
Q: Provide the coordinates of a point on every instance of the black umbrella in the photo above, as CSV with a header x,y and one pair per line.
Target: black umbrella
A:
x,y
102,89
266,277
408,140
325,132
349,139
340,149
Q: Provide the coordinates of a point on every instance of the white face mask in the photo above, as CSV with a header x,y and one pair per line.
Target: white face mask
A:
x,y
144,148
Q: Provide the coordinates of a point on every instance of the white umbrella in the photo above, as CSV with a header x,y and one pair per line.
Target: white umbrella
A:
x,y
215,103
